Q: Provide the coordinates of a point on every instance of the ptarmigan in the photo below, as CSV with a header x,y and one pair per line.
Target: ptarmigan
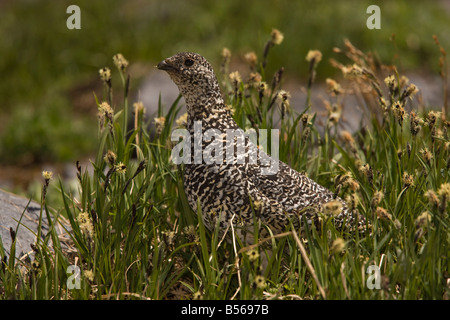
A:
x,y
236,189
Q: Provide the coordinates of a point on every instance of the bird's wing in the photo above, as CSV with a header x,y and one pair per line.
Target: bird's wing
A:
x,y
294,191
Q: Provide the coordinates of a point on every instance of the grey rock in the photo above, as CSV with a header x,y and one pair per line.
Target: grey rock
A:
x,y
154,86
14,208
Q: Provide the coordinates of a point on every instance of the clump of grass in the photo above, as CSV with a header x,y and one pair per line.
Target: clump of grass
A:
x,y
134,236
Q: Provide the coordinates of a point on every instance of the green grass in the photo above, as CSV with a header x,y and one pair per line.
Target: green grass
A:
x,y
134,235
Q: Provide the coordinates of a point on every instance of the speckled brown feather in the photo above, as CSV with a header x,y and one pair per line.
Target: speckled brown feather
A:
x,y
229,190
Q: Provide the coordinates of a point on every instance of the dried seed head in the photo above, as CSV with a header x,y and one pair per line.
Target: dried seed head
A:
x,y
382,214
235,77
426,155
105,109
390,83
423,219
346,71
120,62
444,191
197,295
258,205
432,197
353,184
120,168
334,117
314,56
408,180
169,237
182,120
403,81
159,123
253,255
260,282
368,172
365,169
410,92
356,70
139,107
110,157
340,179
337,246
283,96
191,233
399,112
447,148
333,87
226,54
263,90
352,201
346,180
332,208
89,275
433,116
383,104
36,266
377,198
47,175
397,224
347,136
85,224
276,37
105,75
254,79
251,58
415,123
306,119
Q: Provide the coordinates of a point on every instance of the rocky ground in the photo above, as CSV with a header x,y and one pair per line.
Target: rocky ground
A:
x,y
22,216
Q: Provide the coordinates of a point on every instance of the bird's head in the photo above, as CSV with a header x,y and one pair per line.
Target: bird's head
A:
x,y
192,73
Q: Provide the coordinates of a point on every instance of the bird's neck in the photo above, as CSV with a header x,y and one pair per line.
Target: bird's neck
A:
x,y
209,108
210,116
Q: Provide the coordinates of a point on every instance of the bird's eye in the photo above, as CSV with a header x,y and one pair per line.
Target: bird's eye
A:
x,y
188,62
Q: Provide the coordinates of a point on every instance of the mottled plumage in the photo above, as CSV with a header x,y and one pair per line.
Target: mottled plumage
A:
x,y
230,189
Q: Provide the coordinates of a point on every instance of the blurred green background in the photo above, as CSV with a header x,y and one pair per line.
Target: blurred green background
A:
x,y
49,73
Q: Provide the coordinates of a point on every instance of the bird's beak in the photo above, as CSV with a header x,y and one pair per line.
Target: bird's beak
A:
x,y
165,65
